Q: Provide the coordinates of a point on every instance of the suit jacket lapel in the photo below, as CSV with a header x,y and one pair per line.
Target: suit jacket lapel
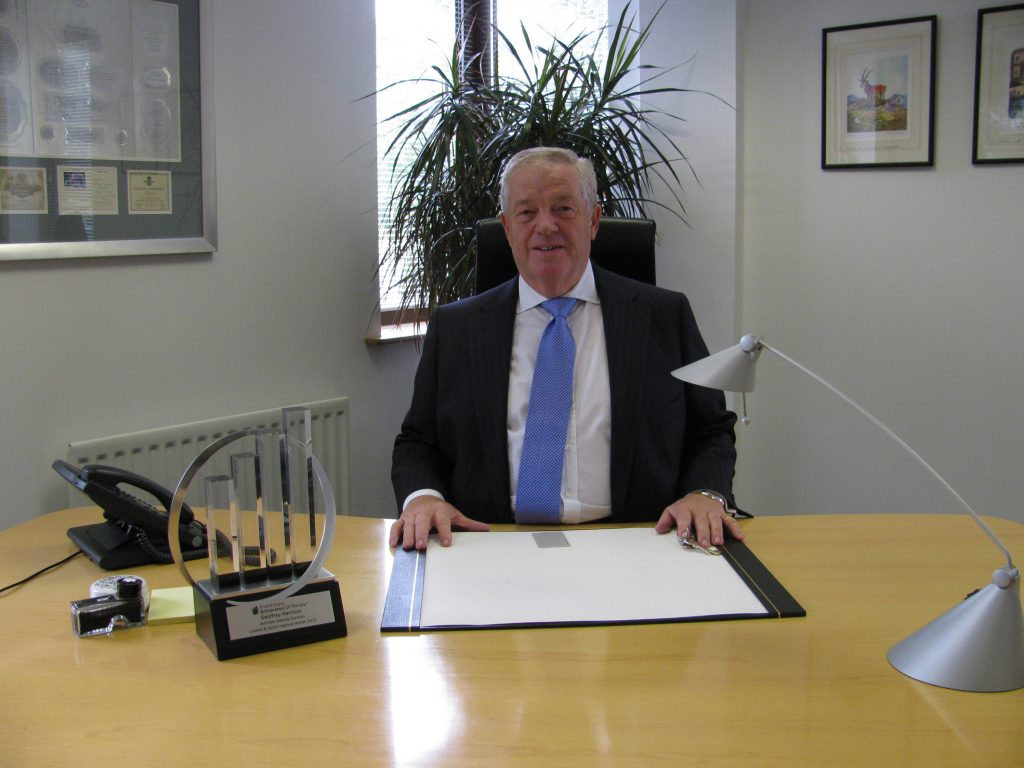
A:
x,y
489,355
626,328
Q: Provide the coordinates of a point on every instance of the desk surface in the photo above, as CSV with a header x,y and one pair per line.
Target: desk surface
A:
x,y
811,691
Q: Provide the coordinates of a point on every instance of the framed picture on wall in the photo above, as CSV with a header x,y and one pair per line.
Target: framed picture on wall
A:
x,y
878,94
106,129
999,86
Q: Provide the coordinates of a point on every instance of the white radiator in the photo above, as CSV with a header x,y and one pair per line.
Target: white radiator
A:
x,y
163,454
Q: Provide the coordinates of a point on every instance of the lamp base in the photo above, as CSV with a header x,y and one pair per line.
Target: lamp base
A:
x,y
977,645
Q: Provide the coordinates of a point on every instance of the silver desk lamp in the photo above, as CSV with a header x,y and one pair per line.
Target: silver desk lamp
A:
x,y
978,645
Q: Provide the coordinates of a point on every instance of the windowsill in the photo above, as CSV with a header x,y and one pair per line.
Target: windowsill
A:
x,y
395,334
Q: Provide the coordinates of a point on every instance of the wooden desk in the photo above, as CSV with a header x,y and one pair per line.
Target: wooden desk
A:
x,y
816,691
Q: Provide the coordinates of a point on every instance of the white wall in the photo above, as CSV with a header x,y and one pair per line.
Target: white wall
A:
x,y
697,40
276,316
902,287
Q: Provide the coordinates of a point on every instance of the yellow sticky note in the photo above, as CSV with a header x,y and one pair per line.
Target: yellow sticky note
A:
x,y
171,606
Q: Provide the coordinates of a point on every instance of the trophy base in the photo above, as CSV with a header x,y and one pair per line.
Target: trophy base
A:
x,y
232,628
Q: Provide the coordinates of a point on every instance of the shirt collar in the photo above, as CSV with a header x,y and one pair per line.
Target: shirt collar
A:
x,y
584,290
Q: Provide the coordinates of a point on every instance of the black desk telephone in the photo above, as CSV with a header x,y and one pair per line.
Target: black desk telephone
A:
x,y
135,532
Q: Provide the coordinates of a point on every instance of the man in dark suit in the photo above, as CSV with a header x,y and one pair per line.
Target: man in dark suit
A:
x,y
640,446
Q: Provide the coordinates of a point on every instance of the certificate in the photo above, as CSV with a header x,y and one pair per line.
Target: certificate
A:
x,y
149,191
87,190
23,190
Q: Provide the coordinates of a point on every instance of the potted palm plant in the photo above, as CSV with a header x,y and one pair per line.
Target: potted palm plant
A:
x,y
559,94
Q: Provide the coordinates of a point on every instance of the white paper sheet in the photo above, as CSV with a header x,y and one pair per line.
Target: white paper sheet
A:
x,y
605,575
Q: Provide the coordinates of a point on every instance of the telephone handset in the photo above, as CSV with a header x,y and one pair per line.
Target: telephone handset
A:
x,y
135,532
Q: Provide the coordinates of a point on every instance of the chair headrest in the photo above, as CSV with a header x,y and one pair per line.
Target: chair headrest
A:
x,y
622,245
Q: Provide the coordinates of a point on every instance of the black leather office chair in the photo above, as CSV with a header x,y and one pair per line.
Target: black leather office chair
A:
x,y
625,246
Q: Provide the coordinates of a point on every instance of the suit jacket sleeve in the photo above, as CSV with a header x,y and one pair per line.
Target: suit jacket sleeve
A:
x,y
453,438
417,461
709,453
669,438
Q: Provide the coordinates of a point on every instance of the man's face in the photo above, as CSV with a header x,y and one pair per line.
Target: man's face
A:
x,y
549,226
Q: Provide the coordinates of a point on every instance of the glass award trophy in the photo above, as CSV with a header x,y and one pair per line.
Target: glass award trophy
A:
x,y
269,513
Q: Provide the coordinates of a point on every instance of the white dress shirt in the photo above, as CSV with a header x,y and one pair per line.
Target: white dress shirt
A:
x,y
586,486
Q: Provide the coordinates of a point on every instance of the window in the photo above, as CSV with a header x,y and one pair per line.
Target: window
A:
x,y
414,36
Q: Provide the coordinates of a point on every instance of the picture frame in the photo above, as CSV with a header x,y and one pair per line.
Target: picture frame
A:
x,y
878,94
999,86
106,129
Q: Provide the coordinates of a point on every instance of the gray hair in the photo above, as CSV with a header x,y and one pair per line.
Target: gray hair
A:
x,y
557,156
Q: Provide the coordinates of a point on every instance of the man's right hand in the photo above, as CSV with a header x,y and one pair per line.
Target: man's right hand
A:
x,y
429,513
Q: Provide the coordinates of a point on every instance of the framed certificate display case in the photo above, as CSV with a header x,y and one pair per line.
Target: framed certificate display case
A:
x,y
106,128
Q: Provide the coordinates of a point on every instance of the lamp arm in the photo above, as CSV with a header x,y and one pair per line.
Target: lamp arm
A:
x,y
900,442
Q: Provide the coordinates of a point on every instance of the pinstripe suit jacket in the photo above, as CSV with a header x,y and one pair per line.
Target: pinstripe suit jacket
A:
x,y
668,438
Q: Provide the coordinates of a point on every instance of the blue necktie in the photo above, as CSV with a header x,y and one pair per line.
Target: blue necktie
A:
x,y
539,488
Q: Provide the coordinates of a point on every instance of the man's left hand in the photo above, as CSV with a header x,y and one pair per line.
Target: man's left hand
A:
x,y
703,516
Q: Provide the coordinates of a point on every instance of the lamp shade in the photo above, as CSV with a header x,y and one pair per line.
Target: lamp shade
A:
x,y
731,370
